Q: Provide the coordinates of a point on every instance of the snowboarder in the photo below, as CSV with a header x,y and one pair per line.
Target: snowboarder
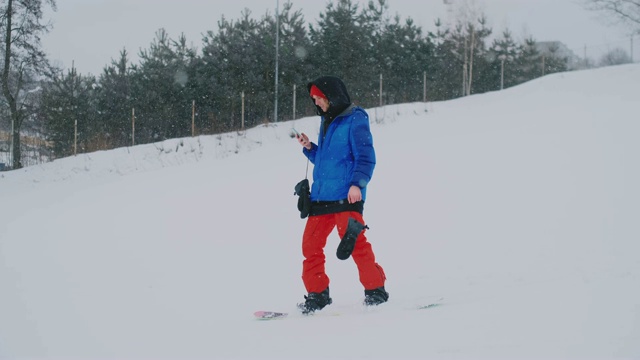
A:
x,y
344,159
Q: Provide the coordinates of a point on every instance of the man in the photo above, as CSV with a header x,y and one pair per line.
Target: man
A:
x,y
343,160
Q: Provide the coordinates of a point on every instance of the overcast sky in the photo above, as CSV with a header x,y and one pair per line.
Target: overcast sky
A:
x,y
90,33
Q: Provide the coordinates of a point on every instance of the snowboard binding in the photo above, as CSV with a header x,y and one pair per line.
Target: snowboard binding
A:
x,y
348,242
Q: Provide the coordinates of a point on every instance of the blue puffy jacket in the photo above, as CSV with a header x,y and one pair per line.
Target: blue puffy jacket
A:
x,y
344,155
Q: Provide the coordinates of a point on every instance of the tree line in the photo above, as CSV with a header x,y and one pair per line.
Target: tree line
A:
x,y
81,113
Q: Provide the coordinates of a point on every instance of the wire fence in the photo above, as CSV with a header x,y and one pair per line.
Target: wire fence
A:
x,y
35,150
592,53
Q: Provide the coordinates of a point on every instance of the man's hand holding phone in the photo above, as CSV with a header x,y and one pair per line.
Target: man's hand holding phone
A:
x,y
303,139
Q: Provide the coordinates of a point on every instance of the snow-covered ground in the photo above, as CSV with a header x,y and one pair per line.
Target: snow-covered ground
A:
x,y
520,208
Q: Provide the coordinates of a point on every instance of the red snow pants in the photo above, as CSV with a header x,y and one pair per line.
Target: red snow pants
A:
x,y
314,240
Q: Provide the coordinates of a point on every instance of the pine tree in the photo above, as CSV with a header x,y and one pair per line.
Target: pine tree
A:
x,y
114,102
553,61
504,52
342,46
68,115
461,57
158,84
294,66
528,61
237,59
403,55
446,70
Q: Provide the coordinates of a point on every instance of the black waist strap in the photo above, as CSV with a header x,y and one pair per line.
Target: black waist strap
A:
x,y
332,207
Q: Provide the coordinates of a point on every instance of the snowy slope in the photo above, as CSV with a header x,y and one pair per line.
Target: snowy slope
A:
x,y
520,208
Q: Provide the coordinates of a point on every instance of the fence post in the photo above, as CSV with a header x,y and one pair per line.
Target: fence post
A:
x,y
75,137
242,118
294,102
502,57
424,86
380,89
464,78
133,126
193,118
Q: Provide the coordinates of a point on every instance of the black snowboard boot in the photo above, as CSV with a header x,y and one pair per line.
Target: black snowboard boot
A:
x,y
315,301
375,296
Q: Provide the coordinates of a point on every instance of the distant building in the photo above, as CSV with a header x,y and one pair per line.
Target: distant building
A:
x,y
558,49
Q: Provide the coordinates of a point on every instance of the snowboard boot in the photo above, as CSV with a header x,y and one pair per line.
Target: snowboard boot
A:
x,y
315,301
375,296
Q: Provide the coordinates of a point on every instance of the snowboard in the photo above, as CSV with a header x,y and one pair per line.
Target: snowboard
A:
x,y
273,315
428,306
269,315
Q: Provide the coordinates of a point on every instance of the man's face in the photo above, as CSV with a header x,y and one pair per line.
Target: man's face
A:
x,y
321,102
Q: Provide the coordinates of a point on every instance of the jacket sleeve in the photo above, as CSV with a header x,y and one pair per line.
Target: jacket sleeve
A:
x,y
311,154
362,150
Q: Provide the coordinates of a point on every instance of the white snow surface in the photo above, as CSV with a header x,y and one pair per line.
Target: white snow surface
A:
x,y
519,208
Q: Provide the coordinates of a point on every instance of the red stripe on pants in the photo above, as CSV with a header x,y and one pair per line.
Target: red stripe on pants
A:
x,y
314,240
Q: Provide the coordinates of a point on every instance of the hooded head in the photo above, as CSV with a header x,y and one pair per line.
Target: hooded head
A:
x,y
334,90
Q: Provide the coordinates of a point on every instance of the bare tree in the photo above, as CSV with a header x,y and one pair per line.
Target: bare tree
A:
x,y
623,11
470,32
24,60
616,56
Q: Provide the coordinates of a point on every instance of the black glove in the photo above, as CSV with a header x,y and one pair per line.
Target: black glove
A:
x,y
302,189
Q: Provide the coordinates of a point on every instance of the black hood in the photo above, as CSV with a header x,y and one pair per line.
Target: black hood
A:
x,y
335,91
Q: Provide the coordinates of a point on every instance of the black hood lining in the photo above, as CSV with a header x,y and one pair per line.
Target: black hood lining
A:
x,y
336,92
